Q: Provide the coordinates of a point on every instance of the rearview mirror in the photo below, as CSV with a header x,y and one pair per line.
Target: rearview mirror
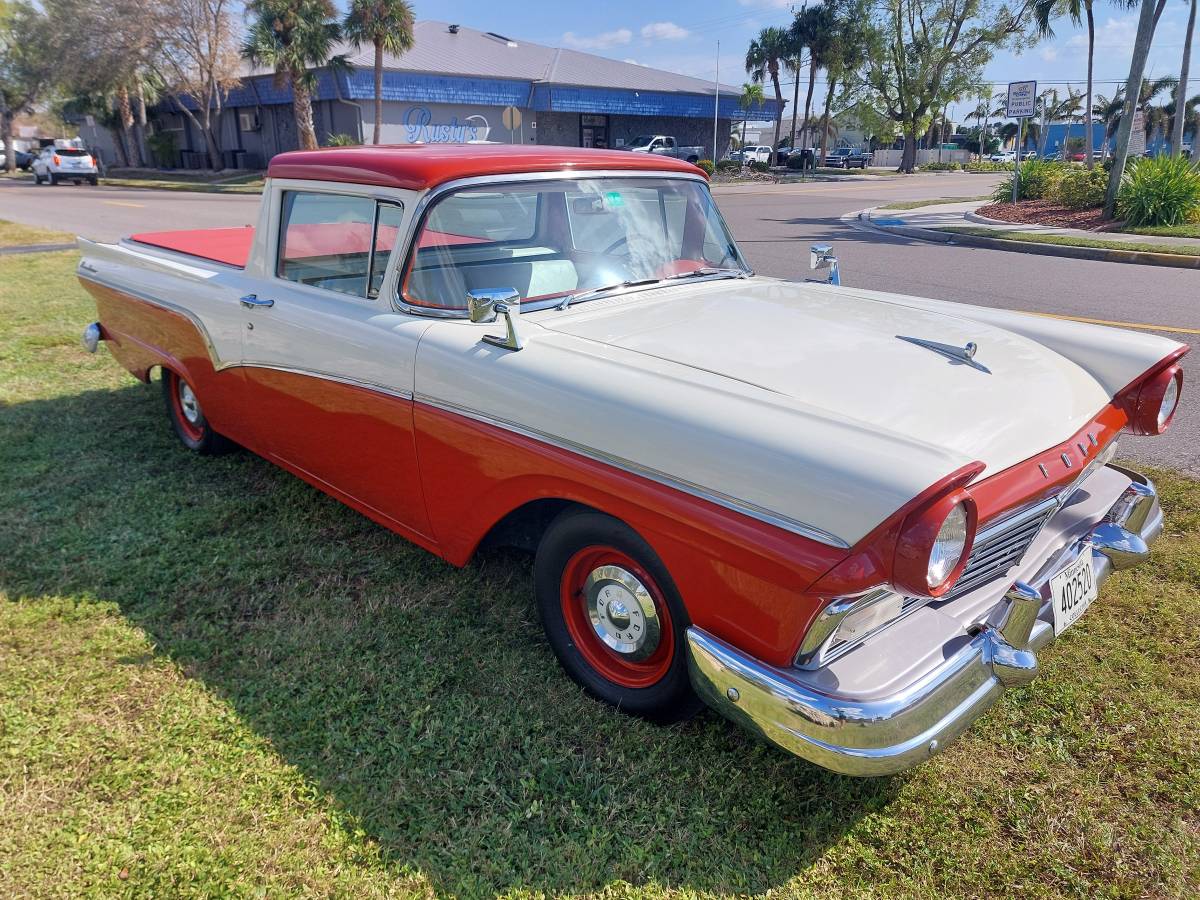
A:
x,y
482,305
820,256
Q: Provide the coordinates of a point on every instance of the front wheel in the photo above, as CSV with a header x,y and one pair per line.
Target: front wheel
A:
x,y
613,616
187,417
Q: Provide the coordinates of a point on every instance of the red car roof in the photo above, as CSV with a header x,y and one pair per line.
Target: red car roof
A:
x,y
416,167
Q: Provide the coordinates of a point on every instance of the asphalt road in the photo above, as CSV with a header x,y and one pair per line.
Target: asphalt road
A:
x,y
774,226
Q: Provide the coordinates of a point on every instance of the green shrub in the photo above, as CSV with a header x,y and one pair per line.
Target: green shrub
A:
x,y
941,167
707,166
1039,180
1081,188
988,166
1162,190
729,165
759,166
163,147
341,140
795,162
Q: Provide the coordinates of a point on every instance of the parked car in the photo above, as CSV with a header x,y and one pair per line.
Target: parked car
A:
x,y
664,145
1029,154
757,153
55,164
1003,156
846,519
848,158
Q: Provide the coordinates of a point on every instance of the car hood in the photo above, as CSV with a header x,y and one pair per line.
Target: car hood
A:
x,y
856,359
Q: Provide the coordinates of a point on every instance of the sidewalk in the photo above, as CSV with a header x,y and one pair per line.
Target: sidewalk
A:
x,y
958,223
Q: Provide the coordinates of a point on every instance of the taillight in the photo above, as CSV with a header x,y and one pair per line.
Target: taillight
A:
x,y
57,160
1151,402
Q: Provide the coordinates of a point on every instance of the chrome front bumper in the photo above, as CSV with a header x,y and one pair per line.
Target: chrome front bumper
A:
x,y
909,691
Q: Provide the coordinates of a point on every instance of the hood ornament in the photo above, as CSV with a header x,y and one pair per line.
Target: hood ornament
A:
x,y
965,355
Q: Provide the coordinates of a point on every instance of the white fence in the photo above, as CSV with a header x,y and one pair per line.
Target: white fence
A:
x,y
891,158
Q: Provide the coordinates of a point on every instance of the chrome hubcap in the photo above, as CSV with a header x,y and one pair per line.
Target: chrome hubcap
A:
x,y
188,403
622,612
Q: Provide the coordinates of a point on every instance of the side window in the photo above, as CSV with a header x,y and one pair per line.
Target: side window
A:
x,y
670,142
336,241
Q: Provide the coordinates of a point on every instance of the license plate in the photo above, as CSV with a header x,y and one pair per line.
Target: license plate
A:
x,y
1072,591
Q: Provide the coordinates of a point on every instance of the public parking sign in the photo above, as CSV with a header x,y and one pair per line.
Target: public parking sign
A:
x,y
1022,99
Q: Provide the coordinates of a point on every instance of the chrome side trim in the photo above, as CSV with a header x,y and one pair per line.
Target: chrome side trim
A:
x,y
326,376
803,529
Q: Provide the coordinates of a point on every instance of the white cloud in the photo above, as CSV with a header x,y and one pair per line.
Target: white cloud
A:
x,y
634,62
1116,35
774,4
1049,54
603,41
664,31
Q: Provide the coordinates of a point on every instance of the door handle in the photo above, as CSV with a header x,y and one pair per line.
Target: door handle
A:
x,y
252,300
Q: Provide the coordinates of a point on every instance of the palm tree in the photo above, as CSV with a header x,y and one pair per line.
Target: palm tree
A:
x,y
1108,112
763,57
387,25
1181,88
752,96
1079,11
294,37
813,28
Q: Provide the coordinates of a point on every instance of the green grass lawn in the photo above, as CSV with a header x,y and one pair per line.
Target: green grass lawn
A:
x,y
1068,240
1189,230
14,235
216,681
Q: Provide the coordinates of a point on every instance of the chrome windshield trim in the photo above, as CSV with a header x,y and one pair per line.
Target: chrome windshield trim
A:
x,y
433,312
744,507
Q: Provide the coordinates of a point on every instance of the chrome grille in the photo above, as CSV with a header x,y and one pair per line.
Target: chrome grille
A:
x,y
1001,545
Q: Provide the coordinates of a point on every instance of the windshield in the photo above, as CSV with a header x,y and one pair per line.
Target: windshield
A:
x,y
557,240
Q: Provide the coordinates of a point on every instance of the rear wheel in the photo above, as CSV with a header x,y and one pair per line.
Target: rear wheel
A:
x,y
93,180
613,616
53,179
187,417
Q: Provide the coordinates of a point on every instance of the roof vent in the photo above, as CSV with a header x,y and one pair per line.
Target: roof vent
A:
x,y
453,29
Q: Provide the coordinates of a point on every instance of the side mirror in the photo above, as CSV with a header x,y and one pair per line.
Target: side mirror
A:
x,y
485,306
820,256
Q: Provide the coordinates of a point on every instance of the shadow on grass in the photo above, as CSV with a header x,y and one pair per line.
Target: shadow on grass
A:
x,y
421,698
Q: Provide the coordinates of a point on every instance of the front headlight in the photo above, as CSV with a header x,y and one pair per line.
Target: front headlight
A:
x,y
948,546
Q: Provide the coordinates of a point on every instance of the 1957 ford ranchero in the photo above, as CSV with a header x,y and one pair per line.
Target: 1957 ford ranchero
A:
x,y
845,519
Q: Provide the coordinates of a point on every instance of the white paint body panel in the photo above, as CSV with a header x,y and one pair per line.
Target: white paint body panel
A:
x,y
795,402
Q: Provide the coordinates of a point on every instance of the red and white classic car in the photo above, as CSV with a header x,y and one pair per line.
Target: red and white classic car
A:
x,y
844,519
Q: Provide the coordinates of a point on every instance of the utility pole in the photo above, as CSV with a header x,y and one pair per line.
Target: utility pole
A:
x,y
716,100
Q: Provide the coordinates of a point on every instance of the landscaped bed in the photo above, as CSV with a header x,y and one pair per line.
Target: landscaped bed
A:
x,y
1049,212
216,681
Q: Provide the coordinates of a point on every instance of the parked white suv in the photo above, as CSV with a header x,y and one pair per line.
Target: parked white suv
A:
x,y
55,164
760,153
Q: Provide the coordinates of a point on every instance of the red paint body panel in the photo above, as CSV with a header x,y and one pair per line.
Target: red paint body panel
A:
x,y
417,167
230,246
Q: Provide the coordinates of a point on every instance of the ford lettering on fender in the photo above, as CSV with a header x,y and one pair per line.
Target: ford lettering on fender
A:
x,y
845,519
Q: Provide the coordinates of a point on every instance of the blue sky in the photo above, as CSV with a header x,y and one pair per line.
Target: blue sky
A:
x,y
683,37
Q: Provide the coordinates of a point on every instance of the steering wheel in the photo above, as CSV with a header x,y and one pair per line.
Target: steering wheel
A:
x,y
611,248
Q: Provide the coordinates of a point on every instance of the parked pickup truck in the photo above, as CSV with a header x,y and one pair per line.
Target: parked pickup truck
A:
x,y
664,145
846,519
848,158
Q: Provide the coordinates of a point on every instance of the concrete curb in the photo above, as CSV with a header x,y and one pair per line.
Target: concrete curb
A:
x,y
35,248
1134,257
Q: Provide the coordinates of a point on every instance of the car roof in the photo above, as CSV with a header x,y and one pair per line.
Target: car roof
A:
x,y
422,166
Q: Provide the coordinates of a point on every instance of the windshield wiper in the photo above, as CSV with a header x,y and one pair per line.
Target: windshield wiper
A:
x,y
710,270
600,291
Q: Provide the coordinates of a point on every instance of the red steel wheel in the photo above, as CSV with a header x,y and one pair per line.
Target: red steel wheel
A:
x,y
617,616
613,616
187,416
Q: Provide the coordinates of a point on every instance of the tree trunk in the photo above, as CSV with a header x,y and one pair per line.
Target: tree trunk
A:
x,y
118,139
6,134
125,109
1133,86
302,110
795,100
1181,91
825,117
378,92
983,136
1087,109
778,108
139,121
812,80
908,159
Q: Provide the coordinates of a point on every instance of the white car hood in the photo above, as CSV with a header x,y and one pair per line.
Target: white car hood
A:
x,y
843,355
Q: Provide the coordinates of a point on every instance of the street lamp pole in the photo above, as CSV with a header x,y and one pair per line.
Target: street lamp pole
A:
x,y
716,100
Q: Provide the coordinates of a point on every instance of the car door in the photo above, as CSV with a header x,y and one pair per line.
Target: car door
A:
x,y
327,362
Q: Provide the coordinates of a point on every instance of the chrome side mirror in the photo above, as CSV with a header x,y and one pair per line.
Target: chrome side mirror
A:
x,y
820,256
485,306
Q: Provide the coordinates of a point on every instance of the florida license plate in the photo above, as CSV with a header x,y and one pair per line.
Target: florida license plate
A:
x,y
1072,591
